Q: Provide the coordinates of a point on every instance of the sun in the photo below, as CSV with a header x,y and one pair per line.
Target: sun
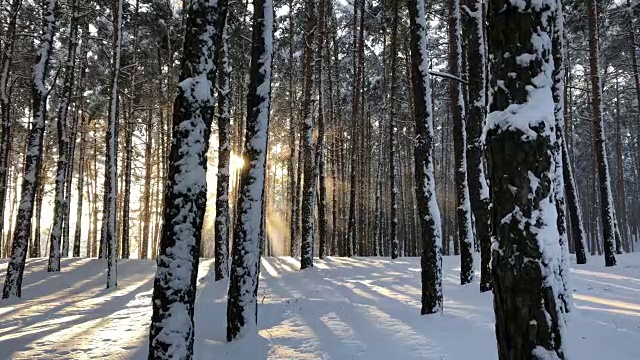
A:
x,y
236,163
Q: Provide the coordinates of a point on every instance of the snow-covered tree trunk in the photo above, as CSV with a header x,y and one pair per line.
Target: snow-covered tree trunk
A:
x,y
77,235
333,123
63,146
557,88
633,51
129,129
6,56
146,192
430,223
69,177
111,178
30,180
174,288
478,188
320,147
291,164
573,205
308,178
222,219
242,302
393,183
606,198
35,250
457,108
358,54
520,138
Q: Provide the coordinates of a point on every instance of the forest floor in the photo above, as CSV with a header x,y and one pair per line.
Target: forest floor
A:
x,y
344,308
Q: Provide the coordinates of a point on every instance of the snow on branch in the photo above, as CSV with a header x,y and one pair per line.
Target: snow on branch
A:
x,y
448,76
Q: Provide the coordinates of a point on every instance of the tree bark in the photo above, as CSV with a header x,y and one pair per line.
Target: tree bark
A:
x,y
6,56
458,111
109,236
393,191
431,258
63,147
526,261
129,129
30,181
242,304
606,198
222,219
478,188
306,139
320,147
174,292
77,236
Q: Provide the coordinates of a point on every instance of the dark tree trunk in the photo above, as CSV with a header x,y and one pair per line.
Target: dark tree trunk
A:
x,y
431,258
6,55
80,190
478,188
63,148
393,191
35,251
526,261
125,236
557,88
83,138
129,129
320,147
291,173
174,292
633,52
242,304
621,197
358,52
573,204
306,139
606,205
109,233
457,105
31,180
146,192
222,219
68,185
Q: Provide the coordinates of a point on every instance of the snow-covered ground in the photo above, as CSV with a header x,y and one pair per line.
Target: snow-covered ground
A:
x,y
342,309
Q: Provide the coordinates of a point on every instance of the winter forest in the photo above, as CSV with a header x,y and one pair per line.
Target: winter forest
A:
x,y
320,179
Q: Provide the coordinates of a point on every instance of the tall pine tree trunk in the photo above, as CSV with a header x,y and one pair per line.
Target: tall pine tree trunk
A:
x,y
6,56
358,51
431,258
293,185
146,192
109,236
84,48
573,204
457,105
557,88
526,262
242,304
129,129
174,292
222,219
320,147
634,52
478,188
306,139
606,198
30,181
63,147
393,191
77,235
